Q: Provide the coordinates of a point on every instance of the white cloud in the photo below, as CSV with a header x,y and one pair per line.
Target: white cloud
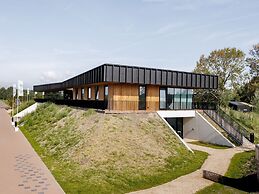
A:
x,y
49,76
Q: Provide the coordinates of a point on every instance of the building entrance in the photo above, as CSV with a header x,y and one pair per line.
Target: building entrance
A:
x,y
176,124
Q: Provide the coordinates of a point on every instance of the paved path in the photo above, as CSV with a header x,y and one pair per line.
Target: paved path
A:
x,y
218,162
21,169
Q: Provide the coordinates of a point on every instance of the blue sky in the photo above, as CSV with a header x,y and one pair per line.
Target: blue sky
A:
x,y
51,40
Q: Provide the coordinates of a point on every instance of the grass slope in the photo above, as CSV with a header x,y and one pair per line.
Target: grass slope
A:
x,y
90,152
242,165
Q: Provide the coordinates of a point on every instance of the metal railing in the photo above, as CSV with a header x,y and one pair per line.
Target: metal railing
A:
x,y
234,134
97,104
232,122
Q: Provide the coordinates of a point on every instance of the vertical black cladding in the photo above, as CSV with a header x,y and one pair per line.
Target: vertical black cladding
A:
x,y
141,75
174,79
129,75
207,81
164,77
116,74
184,80
179,79
135,75
194,76
189,80
122,74
198,81
211,81
147,76
169,78
138,75
153,76
158,77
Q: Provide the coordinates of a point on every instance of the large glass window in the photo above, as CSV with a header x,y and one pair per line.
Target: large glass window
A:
x,y
142,98
106,93
177,98
89,93
170,98
97,93
189,99
183,99
162,100
82,93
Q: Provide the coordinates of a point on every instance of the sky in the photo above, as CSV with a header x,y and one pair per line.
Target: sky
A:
x,y
43,41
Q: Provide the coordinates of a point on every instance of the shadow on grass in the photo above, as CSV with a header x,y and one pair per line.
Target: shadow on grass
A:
x,y
247,183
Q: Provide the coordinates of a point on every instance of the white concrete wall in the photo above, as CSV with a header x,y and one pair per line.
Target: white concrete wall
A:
x,y
176,113
184,143
199,128
26,111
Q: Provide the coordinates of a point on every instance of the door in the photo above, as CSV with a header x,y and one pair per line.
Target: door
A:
x,y
176,124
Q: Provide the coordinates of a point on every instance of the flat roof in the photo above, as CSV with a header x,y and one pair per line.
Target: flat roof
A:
x,y
114,73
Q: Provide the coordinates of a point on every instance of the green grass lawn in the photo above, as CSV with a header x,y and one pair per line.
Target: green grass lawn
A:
x,y
242,165
209,145
89,152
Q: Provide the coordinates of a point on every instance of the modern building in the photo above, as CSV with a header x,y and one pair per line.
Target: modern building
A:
x,y
120,88
130,88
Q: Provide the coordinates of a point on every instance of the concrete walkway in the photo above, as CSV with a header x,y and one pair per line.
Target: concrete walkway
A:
x,y
21,169
218,162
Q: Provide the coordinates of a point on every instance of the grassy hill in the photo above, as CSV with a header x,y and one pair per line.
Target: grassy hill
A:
x,y
91,152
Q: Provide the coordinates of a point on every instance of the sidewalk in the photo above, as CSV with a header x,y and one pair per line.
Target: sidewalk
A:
x,y
21,169
217,161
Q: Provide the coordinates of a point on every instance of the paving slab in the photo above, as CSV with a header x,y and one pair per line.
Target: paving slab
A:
x,y
21,169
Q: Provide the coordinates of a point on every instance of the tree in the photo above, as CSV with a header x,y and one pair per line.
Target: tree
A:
x,y
253,61
229,65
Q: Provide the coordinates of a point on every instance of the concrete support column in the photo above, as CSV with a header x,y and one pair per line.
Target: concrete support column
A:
x,y
79,94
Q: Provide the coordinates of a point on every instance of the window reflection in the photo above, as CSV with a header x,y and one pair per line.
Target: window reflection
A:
x,y
162,98
176,98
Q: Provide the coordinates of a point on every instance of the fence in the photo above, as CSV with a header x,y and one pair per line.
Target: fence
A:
x,y
233,132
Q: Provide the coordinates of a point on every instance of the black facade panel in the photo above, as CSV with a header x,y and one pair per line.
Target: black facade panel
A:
x,y
135,75
164,77
198,81
194,80
153,76
184,83
138,75
141,76
207,81
215,83
104,73
211,81
174,79
129,78
169,78
109,73
179,79
189,80
202,81
122,74
116,74
158,76
147,76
